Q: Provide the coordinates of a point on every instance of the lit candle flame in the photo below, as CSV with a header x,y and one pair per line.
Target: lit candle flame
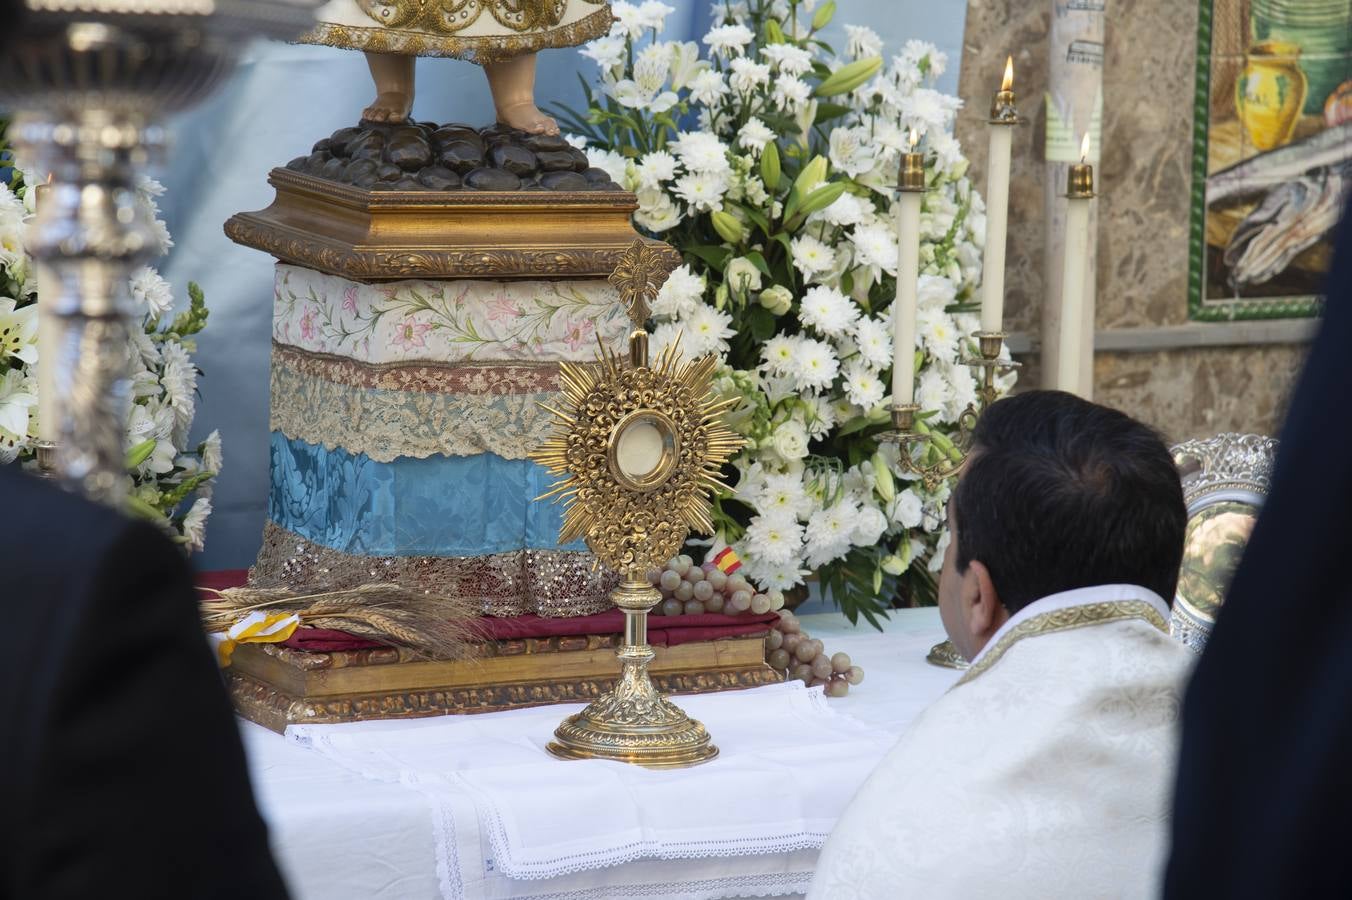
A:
x,y
1008,82
915,139
1084,148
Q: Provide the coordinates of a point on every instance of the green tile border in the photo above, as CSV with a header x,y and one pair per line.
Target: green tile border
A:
x,y
1198,309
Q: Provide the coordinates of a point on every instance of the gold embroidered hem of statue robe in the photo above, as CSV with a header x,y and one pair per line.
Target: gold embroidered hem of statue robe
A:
x,y
481,32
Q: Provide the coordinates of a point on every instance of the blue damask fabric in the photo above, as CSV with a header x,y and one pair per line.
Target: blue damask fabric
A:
x,y
437,506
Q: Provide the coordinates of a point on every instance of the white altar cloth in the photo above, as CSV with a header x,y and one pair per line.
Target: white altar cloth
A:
x,y
471,806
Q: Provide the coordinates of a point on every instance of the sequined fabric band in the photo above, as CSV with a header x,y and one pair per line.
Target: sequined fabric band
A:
x,y
549,583
480,49
392,411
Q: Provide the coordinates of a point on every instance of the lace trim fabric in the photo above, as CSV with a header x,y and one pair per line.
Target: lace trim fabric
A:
x,y
318,401
417,321
549,583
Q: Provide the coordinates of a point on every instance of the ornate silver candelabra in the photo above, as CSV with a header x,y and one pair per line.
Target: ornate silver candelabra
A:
x,y
89,81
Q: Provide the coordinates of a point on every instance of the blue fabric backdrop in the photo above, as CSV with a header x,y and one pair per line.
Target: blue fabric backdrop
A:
x,y
281,100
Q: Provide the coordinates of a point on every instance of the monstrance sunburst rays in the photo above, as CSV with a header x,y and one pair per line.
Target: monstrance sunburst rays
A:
x,y
634,529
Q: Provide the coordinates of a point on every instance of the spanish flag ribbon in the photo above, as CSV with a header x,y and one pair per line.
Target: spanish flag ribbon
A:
x,y
727,561
257,628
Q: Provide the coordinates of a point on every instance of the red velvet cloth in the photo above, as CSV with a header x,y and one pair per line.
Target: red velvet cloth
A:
x,y
663,631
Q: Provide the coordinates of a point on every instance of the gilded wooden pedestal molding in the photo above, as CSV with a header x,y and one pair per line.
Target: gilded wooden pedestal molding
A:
x,y
389,235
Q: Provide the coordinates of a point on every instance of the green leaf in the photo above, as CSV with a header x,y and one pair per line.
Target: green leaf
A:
x,y
762,323
757,217
714,256
758,261
828,111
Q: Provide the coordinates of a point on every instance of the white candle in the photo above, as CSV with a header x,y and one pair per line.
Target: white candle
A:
x,y
1003,116
48,338
911,189
1080,190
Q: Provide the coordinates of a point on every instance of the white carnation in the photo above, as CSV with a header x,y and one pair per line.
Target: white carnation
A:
x,y
792,94
862,41
211,452
195,523
701,151
680,294
607,52
612,163
151,292
747,75
728,40
754,135
787,58
868,527
708,87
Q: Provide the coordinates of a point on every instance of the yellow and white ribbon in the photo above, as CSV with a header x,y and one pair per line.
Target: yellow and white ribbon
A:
x,y
257,627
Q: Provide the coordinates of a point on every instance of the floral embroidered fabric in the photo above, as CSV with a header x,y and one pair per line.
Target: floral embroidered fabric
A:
x,y
445,321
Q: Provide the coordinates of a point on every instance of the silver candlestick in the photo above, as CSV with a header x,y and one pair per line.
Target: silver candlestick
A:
x,y
89,82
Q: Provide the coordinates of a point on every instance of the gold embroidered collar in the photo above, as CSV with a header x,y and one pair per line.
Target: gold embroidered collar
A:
x,y
1065,619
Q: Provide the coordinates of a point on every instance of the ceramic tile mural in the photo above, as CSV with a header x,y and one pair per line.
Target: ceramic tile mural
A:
x,y
1272,154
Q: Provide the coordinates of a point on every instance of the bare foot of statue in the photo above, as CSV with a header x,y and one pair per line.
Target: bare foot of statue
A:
x,y
512,82
393,75
389,106
525,116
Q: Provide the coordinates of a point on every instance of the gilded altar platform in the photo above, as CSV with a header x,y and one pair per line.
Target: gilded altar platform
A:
x,y
276,686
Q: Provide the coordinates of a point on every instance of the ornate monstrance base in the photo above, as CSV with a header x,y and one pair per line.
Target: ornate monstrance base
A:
x,y
946,655
634,724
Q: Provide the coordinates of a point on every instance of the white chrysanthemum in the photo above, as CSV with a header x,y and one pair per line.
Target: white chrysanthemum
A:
x,y
607,52
707,330
179,378
628,20
774,539
702,190
612,163
862,41
653,14
811,256
783,494
728,40
151,292
875,245
845,211
576,141
774,578
657,212
665,335
851,150
701,151
708,87
874,342
779,353
792,94
748,75
827,310
862,385
787,58
828,532
938,333
814,365
211,452
929,110
754,135
923,58
195,523
947,152
907,509
680,294
931,392
655,168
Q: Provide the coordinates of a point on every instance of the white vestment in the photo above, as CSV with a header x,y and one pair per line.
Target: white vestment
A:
x,y
1045,772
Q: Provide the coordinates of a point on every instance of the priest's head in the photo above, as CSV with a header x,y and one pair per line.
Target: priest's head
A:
x,y
1057,494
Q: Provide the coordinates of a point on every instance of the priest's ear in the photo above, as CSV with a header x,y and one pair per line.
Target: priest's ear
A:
x,y
970,607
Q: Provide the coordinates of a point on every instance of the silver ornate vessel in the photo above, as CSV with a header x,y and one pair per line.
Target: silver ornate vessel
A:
x,y
89,82
1225,480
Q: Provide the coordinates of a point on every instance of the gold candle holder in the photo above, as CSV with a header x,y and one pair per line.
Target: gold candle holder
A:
x,y
639,448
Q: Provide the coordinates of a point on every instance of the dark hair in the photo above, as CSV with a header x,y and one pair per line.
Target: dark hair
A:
x,y
1060,493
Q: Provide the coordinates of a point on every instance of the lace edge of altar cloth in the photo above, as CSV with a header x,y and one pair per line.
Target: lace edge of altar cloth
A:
x,y
507,770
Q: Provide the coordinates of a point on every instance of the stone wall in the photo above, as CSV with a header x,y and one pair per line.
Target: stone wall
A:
x,y
1160,369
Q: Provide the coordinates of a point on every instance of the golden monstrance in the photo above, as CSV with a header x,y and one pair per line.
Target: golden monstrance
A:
x,y
639,449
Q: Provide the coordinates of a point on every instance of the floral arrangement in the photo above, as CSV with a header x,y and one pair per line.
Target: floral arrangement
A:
x,y
769,161
170,483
